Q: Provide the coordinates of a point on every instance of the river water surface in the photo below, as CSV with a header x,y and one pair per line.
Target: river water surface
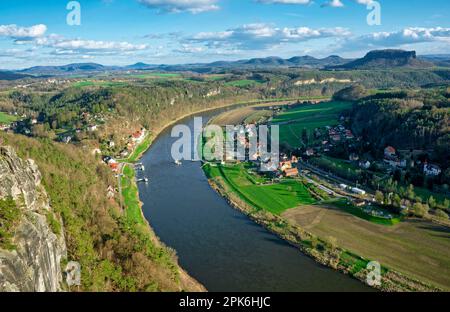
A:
x,y
217,245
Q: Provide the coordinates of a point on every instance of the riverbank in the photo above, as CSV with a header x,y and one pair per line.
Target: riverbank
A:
x,y
131,198
323,251
147,142
135,217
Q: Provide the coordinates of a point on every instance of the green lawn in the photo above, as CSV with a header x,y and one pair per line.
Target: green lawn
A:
x,y
309,117
275,198
131,196
6,118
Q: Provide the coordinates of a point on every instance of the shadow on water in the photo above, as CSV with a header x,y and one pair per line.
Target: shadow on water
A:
x,y
218,245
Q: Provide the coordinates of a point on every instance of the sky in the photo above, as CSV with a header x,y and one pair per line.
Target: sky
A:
x,y
123,32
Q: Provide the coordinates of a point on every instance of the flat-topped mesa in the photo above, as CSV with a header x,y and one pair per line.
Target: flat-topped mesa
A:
x,y
32,259
386,59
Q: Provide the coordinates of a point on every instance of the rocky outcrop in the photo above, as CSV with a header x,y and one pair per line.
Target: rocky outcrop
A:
x,y
34,264
382,59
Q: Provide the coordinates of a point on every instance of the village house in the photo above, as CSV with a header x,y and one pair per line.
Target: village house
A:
x,y
431,170
285,165
353,157
390,152
96,151
309,152
124,153
349,135
4,127
359,203
358,191
114,167
336,138
138,136
293,172
66,139
92,128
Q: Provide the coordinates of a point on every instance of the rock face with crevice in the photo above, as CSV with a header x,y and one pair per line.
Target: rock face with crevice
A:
x,y
34,265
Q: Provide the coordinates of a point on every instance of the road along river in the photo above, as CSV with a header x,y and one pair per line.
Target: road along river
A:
x,y
216,244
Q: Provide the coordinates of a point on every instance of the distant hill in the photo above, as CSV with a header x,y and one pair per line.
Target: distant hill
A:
x,y
438,59
141,66
7,75
267,62
68,69
373,60
386,59
296,61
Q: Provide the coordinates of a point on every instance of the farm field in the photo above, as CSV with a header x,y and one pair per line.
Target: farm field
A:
x,y
275,198
309,117
6,118
92,83
417,248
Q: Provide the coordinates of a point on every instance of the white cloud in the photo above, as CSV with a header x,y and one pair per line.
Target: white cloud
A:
x,y
285,1
263,36
22,33
177,6
411,35
333,4
328,3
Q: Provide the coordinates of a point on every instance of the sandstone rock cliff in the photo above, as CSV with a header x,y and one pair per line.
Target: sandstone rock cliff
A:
x,y
34,264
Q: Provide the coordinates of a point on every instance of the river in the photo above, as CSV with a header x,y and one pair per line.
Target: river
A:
x,y
216,244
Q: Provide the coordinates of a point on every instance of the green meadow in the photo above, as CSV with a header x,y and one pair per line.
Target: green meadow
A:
x,y
6,118
131,196
92,83
309,117
275,198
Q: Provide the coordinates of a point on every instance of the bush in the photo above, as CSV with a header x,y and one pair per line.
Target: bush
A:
x,y
352,93
9,218
441,214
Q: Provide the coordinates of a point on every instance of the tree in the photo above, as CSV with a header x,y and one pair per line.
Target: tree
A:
x,y
441,214
420,210
446,203
432,202
410,192
352,93
305,136
379,197
397,200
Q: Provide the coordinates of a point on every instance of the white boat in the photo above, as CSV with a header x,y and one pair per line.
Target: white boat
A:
x,y
178,162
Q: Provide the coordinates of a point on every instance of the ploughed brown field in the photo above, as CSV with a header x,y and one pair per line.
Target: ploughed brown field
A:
x,y
417,248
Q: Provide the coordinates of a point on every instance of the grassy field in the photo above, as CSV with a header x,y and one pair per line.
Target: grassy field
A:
x,y
356,211
275,198
131,196
309,117
92,83
6,118
414,247
243,83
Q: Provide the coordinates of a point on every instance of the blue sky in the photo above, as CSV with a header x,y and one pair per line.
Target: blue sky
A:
x,y
118,32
